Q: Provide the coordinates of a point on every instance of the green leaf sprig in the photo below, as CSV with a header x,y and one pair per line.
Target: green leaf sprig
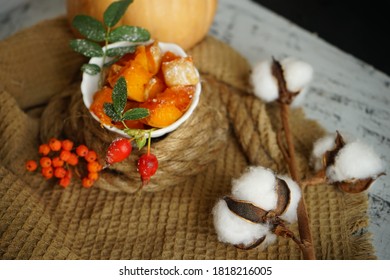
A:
x,y
116,111
97,32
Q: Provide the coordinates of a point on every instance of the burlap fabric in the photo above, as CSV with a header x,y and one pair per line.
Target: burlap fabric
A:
x,y
40,98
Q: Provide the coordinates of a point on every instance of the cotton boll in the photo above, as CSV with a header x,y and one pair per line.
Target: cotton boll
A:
x,y
355,160
297,74
256,185
264,83
295,196
232,229
321,146
300,98
270,238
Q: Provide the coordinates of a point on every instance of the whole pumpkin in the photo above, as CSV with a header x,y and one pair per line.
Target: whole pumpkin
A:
x,y
184,22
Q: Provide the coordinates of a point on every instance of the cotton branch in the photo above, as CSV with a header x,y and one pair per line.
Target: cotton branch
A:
x,y
285,99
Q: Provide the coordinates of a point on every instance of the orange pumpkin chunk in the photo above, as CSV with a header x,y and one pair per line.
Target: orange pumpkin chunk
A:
x,y
116,70
169,56
137,77
155,86
141,57
179,96
154,56
102,96
160,115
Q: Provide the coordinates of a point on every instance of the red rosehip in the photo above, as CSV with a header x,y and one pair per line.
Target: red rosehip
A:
x,y
118,150
147,167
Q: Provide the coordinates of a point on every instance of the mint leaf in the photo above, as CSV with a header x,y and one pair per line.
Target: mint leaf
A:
x,y
86,48
119,95
89,27
91,69
129,34
120,51
115,11
135,114
109,110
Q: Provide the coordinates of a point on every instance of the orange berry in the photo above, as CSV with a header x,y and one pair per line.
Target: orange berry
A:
x,y
64,182
82,150
31,165
55,144
67,145
73,159
65,155
87,183
59,172
93,176
47,172
44,149
45,162
94,166
57,162
91,156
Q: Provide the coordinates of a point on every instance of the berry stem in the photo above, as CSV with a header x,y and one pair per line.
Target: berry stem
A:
x,y
124,124
149,142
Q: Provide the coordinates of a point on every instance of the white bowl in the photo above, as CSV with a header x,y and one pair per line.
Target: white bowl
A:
x,y
90,85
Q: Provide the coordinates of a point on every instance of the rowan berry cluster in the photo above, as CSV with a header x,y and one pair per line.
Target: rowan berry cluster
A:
x,y
60,159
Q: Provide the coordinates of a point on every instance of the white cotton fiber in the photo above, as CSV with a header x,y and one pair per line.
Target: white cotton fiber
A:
x,y
297,74
232,229
321,146
300,98
256,185
295,194
264,83
355,160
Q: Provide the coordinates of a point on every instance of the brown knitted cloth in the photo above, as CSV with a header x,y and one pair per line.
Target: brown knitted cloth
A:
x,y
230,130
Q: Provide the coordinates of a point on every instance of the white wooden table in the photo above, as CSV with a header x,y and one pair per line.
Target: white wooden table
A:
x,y
346,94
